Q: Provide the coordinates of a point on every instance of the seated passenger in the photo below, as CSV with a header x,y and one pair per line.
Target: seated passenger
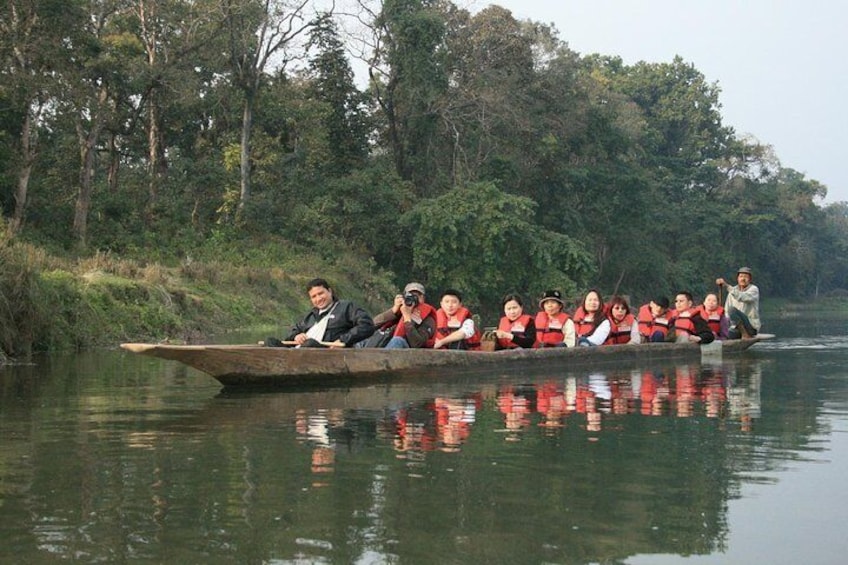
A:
x,y
688,323
590,322
714,314
516,329
413,318
554,328
623,326
655,320
330,323
454,326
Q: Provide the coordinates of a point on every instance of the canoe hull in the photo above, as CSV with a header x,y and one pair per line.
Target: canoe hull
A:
x,y
253,365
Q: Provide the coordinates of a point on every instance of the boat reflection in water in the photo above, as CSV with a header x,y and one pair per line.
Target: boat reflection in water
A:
x,y
729,393
568,468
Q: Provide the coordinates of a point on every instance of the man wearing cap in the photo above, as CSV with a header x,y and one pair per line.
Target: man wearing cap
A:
x,y
413,318
742,305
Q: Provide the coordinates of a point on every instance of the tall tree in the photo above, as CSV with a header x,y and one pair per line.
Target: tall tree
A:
x,y
30,44
408,80
260,33
332,83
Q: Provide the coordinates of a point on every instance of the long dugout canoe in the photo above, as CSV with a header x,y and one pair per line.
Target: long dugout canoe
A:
x,y
256,365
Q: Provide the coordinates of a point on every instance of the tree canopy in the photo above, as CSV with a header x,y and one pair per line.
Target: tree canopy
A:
x,y
482,153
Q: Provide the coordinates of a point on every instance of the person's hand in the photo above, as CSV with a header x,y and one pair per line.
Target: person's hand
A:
x,y
338,344
405,310
300,339
721,282
438,344
695,338
504,335
398,303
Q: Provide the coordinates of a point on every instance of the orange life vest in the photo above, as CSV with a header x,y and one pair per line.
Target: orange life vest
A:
x,y
517,327
683,324
648,324
620,331
419,314
550,331
582,327
446,326
713,318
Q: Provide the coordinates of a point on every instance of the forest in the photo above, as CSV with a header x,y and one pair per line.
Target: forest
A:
x,y
466,150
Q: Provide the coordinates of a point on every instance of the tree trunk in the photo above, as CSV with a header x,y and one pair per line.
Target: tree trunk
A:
x,y
246,126
88,152
29,137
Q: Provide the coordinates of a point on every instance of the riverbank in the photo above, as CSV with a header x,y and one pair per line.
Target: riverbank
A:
x,y
50,303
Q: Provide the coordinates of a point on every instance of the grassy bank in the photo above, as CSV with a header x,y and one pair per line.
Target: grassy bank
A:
x,y
48,302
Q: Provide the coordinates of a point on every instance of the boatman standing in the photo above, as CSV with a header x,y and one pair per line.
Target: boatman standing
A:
x,y
330,323
742,305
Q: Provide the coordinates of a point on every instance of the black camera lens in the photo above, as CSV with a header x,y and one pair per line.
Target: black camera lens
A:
x,y
410,299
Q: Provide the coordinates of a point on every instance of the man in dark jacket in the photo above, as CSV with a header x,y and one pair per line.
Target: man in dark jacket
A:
x,y
688,323
331,322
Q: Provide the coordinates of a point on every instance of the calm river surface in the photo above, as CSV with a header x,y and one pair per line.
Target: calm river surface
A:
x,y
111,457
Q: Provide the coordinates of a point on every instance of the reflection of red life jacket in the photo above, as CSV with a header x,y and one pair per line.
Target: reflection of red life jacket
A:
x,y
620,331
582,327
713,318
549,331
517,327
648,324
683,324
446,326
419,314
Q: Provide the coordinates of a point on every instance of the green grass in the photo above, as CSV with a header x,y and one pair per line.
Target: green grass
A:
x,y
57,303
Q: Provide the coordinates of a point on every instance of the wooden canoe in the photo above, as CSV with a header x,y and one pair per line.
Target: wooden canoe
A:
x,y
255,365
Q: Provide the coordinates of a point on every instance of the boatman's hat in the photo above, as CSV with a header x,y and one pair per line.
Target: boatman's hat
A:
x,y
745,270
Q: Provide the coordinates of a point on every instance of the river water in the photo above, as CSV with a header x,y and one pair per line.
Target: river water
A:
x,y
111,457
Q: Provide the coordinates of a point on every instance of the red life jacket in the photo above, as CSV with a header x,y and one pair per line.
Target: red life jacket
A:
x,y
683,324
582,327
713,318
620,331
550,331
517,327
446,326
419,314
648,324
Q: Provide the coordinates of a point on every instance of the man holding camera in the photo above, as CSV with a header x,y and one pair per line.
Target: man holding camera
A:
x,y
415,319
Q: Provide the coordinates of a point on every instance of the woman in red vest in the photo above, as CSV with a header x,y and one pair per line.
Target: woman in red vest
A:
x,y
516,329
714,315
590,321
623,326
554,328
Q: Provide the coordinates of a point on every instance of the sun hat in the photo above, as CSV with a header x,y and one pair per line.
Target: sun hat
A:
x,y
554,295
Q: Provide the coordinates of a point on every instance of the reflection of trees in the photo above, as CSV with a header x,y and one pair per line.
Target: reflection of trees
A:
x,y
124,467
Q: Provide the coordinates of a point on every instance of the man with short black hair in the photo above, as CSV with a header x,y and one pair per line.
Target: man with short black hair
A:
x,y
330,323
689,325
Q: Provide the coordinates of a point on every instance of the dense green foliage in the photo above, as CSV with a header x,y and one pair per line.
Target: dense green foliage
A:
x,y
484,153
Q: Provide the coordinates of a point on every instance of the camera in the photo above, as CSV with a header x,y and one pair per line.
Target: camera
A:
x,y
410,299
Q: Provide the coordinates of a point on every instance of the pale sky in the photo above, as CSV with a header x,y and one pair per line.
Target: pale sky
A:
x,y
781,64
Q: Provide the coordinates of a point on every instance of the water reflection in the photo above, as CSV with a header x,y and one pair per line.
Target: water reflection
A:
x,y
123,463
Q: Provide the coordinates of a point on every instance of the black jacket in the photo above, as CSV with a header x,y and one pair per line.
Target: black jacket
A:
x,y
348,323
